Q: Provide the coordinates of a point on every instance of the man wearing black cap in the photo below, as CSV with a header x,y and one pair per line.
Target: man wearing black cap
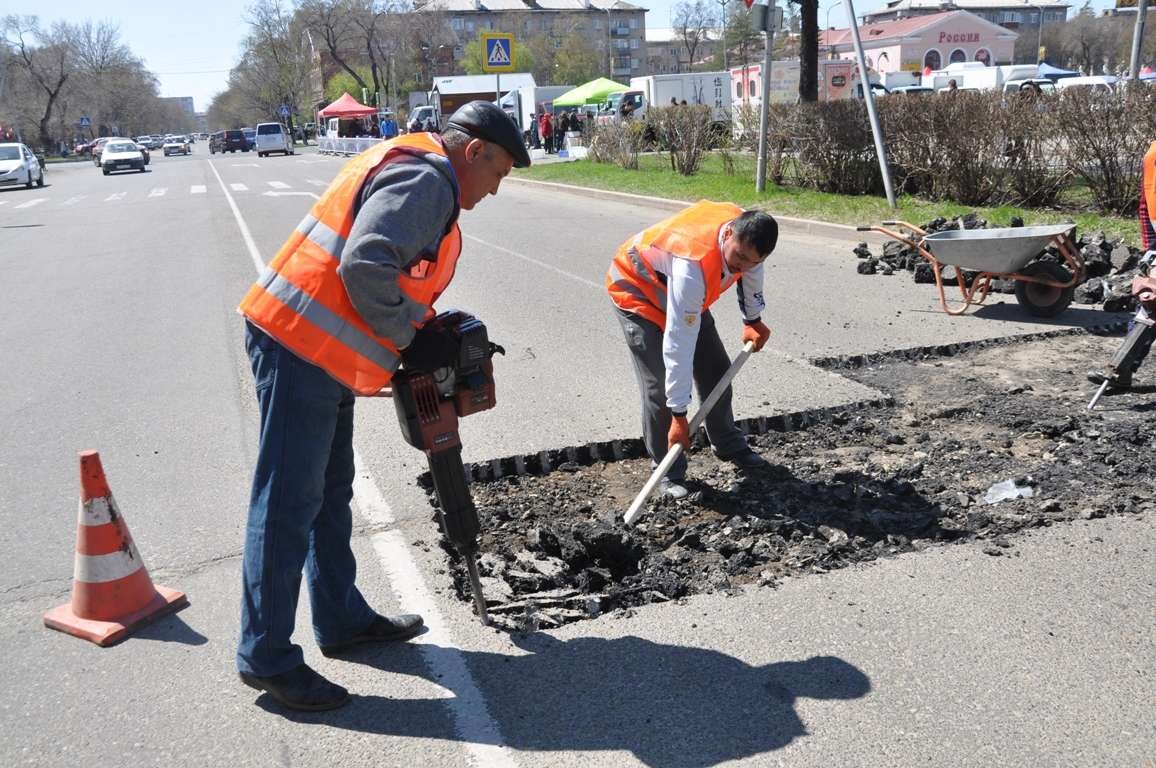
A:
x,y
317,336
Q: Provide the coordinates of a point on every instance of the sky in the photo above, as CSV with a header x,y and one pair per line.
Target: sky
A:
x,y
192,56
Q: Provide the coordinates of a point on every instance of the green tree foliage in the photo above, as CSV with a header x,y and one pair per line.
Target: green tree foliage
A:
x,y
577,61
344,82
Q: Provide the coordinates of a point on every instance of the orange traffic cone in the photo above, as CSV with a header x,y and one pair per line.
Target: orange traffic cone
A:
x,y
112,594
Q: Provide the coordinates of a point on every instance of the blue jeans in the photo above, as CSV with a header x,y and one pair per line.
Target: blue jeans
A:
x,y
299,515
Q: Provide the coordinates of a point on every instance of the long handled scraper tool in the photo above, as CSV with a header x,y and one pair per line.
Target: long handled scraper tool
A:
x,y
635,510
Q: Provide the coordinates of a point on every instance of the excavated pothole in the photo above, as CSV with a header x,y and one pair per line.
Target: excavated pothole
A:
x,y
862,485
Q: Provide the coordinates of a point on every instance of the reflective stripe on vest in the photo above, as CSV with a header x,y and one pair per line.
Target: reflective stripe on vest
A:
x,y
300,300
636,286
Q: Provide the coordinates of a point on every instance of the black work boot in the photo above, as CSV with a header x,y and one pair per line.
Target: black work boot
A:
x,y
746,460
300,688
383,629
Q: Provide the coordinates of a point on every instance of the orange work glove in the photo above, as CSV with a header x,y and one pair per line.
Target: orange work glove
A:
x,y
679,433
757,332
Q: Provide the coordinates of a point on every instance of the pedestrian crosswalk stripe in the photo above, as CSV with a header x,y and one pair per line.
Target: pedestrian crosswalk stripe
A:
x,y
158,192
72,200
34,201
115,196
238,187
3,202
197,189
317,182
278,185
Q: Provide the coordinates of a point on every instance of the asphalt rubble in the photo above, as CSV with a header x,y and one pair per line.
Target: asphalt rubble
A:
x,y
1110,263
866,484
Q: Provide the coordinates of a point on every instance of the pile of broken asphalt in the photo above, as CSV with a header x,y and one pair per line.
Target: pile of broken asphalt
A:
x,y
865,484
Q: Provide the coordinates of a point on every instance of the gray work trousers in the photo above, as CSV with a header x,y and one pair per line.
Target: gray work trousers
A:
x,y
711,361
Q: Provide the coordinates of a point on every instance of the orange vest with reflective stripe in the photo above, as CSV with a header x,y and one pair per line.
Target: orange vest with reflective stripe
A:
x,y
1148,199
693,233
301,301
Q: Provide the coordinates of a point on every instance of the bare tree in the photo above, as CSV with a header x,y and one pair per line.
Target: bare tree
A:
x,y
693,20
275,66
48,65
333,22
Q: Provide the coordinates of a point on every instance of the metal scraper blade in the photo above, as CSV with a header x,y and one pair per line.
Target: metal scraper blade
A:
x,y
476,588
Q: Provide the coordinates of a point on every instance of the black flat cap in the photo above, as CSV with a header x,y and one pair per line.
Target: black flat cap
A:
x,y
486,120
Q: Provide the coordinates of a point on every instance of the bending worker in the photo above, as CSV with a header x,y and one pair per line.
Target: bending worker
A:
x,y
1123,379
663,282
332,316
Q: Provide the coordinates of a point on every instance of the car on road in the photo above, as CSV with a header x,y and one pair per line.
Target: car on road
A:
x,y
273,137
176,145
250,137
19,166
98,147
423,118
233,141
121,155
216,142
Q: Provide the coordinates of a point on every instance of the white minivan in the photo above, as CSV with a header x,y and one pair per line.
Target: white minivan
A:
x,y
273,137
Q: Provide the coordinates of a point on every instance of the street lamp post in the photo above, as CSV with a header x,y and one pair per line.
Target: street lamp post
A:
x,y
827,27
1039,32
723,36
609,46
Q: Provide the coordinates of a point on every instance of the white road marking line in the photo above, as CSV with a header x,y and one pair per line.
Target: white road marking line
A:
x,y
32,202
72,200
245,165
477,730
158,191
197,189
278,185
238,187
271,193
544,265
115,196
3,202
318,182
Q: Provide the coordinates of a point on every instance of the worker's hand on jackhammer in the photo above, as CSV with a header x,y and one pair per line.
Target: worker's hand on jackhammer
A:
x,y
430,349
679,433
757,332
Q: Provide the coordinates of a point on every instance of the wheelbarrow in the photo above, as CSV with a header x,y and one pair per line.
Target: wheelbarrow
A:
x,y
1043,288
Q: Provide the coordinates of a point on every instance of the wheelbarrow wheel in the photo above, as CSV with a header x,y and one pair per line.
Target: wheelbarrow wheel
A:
x,y
1044,300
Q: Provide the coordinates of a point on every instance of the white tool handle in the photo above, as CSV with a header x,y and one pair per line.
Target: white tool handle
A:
x,y
635,510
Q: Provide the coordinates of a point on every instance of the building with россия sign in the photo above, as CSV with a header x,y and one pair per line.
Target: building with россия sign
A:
x,y
920,42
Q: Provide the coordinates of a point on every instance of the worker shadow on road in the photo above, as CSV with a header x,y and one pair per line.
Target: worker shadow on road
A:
x,y
671,705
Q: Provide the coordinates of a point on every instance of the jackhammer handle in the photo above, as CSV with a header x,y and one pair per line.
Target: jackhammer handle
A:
x,y
635,509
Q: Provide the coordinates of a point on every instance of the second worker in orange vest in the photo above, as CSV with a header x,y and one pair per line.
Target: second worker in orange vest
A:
x,y
663,282
333,315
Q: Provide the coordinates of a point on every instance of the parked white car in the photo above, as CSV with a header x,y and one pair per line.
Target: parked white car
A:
x,y
1094,83
121,155
19,166
273,137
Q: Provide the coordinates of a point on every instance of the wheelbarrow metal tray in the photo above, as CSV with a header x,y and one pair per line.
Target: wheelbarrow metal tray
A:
x,y
1003,250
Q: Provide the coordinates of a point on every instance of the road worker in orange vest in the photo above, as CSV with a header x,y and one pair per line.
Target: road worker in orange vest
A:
x,y
335,312
663,282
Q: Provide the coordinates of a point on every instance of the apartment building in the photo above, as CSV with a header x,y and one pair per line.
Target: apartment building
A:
x,y
615,28
1010,14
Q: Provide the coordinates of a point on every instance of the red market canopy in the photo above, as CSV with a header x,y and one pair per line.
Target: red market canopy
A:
x,y
347,106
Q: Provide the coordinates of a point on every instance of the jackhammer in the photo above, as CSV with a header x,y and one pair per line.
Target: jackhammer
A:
x,y
429,404
1138,340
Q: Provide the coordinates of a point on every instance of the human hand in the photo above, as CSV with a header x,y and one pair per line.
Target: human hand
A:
x,y
679,433
757,332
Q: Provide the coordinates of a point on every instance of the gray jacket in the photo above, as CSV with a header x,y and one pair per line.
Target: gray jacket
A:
x,y
402,216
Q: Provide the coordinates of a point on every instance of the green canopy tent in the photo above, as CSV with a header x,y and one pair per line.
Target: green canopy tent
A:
x,y
592,92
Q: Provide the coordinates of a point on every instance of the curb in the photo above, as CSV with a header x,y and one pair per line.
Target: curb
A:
x,y
786,223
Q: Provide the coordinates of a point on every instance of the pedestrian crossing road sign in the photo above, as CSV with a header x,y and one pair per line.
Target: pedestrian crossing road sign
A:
x,y
499,52
85,122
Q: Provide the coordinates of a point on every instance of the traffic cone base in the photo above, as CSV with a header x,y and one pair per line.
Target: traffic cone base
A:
x,y
106,633
112,594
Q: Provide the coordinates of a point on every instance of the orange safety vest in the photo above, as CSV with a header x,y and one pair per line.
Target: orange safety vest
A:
x,y
636,286
301,301
1148,199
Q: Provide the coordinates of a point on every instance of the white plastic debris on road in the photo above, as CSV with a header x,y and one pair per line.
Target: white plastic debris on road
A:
x,y
1006,491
